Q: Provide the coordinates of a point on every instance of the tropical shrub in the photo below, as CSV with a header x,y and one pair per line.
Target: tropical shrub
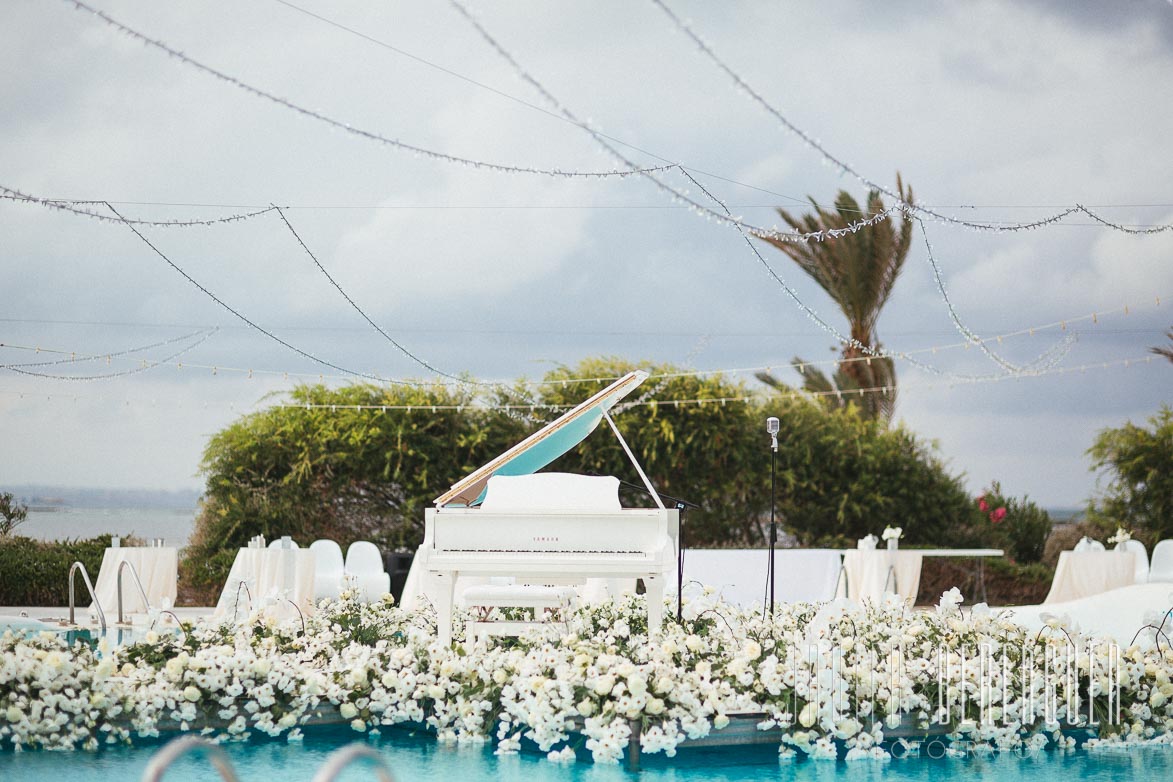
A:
x,y
36,572
12,514
1138,465
347,463
842,476
1018,526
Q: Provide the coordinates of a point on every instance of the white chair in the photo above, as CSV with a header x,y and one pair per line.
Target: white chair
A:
x,y
329,571
364,569
1142,559
1087,544
1161,565
277,543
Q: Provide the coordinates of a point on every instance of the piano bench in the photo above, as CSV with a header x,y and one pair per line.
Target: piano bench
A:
x,y
544,601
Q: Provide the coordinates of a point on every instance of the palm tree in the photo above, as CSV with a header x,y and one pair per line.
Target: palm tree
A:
x,y
858,271
1165,350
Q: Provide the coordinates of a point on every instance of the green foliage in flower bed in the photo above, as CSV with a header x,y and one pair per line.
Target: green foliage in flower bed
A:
x,y
36,572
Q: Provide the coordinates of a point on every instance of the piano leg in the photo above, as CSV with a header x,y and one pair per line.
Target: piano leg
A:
x,y
440,587
654,594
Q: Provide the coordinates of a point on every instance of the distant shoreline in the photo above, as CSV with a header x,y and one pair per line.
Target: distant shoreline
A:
x,y
45,498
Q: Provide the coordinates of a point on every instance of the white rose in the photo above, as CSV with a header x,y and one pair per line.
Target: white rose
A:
x,y
13,715
191,693
358,725
604,684
586,707
390,679
348,711
655,706
808,715
846,728
720,721
1157,699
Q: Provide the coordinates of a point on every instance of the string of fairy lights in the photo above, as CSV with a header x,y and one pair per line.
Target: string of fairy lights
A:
x,y
1049,358
73,356
531,408
630,168
908,207
1044,364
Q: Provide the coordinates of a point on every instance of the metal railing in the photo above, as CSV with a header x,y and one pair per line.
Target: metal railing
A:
x,y
137,582
176,749
173,615
236,607
93,596
335,763
340,759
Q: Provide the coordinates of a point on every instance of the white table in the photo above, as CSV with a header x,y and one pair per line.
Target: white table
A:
x,y
157,569
870,573
905,571
268,572
1084,573
806,575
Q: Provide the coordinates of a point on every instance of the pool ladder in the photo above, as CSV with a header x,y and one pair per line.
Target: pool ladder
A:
x,y
123,565
93,596
334,765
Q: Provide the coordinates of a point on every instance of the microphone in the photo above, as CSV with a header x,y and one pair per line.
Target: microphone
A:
x,y
773,426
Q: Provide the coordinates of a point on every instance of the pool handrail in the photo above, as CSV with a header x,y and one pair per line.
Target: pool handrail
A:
x,y
173,615
299,613
236,607
340,759
93,596
176,749
137,581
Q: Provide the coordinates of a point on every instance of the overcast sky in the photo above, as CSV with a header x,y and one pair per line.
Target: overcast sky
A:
x,y
996,111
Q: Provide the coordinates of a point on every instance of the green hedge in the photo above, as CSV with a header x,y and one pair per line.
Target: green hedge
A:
x,y
36,572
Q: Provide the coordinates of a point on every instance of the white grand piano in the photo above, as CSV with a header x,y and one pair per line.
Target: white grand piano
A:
x,y
547,528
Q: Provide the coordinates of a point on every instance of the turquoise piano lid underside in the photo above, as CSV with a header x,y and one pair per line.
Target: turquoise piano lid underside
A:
x,y
543,446
534,459
539,455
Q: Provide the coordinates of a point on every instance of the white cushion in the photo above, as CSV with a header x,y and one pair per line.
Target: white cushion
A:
x,y
551,490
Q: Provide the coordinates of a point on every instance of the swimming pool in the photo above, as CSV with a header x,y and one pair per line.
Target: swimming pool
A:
x,y
115,635
419,758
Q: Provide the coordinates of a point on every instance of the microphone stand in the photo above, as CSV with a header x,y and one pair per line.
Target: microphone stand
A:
x,y
773,521
682,506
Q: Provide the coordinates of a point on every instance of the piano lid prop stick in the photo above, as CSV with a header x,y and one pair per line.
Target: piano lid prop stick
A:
x,y
655,494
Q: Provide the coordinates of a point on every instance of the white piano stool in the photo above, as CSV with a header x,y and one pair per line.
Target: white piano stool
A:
x,y
549,604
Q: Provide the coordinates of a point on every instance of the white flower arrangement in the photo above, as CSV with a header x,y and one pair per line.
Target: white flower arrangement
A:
x,y
892,533
1121,536
834,680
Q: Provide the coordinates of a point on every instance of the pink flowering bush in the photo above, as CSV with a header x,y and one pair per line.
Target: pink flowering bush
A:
x,y
1017,525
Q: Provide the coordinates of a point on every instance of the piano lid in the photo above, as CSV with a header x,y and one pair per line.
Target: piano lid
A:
x,y
544,445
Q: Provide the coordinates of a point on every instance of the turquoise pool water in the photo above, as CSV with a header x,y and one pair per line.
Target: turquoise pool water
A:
x,y
114,635
419,758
